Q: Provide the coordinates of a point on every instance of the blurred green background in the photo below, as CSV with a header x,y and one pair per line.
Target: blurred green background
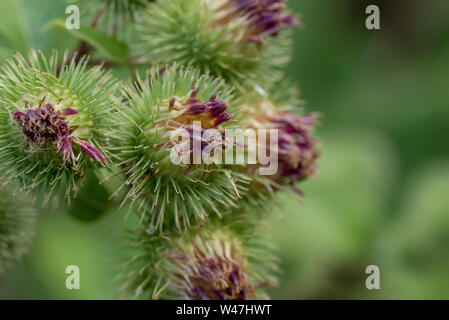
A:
x,y
381,196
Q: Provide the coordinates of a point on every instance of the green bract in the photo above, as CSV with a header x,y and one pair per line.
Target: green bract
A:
x,y
52,122
213,39
17,224
154,108
223,260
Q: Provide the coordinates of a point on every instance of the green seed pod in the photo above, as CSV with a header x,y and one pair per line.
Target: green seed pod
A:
x,y
17,224
163,177
242,42
223,260
52,122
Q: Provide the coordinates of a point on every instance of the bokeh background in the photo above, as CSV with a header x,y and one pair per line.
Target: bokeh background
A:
x,y
381,196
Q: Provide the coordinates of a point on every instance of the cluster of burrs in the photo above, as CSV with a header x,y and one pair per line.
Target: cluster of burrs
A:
x,y
212,64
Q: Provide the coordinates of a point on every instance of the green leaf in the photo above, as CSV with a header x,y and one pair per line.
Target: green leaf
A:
x,y
14,29
108,46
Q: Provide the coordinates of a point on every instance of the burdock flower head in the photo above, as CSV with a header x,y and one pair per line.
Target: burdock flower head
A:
x,y
159,142
52,122
213,262
213,270
294,148
241,41
297,149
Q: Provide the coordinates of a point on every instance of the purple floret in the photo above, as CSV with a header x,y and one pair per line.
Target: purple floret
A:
x,y
45,127
266,16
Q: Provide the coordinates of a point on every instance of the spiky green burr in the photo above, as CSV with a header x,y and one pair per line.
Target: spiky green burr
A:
x,y
52,122
295,152
243,42
164,192
17,224
229,259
